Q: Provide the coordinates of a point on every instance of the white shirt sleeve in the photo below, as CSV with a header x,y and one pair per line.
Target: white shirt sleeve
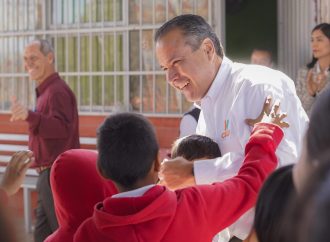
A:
x,y
219,169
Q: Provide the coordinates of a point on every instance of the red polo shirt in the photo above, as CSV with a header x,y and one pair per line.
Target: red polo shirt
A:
x,y
54,125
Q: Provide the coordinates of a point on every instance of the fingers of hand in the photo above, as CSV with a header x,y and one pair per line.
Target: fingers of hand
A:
x,y
19,114
282,116
276,107
162,169
20,160
267,105
275,112
249,122
285,125
26,165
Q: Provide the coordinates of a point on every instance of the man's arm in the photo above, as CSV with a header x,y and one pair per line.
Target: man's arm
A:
x,y
59,120
54,124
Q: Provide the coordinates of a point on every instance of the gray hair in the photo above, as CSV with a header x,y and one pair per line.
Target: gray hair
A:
x,y
194,28
44,46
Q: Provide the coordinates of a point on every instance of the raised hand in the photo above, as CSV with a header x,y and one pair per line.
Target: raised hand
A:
x,y
18,111
15,171
270,114
176,173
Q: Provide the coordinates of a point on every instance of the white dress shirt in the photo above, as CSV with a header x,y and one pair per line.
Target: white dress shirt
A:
x,y
238,92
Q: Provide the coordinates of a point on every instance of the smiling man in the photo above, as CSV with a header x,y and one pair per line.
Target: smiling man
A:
x,y
53,126
227,93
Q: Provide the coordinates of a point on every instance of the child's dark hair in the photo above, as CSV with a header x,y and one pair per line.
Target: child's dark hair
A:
x,y
308,215
127,147
271,205
194,147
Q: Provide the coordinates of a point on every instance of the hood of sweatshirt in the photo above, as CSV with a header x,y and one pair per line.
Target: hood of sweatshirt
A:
x,y
144,218
77,187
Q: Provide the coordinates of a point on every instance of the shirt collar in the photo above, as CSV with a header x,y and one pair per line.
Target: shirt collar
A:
x,y
219,79
42,87
134,193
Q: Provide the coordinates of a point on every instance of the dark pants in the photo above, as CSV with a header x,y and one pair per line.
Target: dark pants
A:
x,y
46,222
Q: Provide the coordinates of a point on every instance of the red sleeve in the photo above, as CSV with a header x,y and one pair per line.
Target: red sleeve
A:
x,y
220,204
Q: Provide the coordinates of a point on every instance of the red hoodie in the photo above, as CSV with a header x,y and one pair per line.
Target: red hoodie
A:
x,y
77,187
193,214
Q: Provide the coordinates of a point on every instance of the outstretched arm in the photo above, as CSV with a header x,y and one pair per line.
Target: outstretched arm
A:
x,y
179,172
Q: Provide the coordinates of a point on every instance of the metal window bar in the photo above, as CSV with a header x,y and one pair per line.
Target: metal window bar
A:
x,y
56,29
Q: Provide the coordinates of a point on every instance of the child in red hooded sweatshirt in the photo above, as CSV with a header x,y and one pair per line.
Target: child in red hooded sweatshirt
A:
x,y
77,187
144,211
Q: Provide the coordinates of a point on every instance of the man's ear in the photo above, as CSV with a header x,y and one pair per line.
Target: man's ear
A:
x,y
50,57
157,163
208,48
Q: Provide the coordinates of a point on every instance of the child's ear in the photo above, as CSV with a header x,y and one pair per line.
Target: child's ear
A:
x,y
157,164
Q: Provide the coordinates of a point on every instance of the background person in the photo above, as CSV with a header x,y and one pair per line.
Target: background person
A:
x,y
53,126
314,78
262,56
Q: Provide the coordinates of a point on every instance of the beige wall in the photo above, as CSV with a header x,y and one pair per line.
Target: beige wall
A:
x,y
323,11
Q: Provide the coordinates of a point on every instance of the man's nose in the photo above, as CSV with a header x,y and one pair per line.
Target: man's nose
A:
x,y
27,63
172,75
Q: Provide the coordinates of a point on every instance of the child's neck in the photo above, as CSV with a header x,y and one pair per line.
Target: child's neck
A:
x,y
141,183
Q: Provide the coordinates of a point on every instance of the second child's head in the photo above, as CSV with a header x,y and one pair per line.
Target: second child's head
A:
x,y
194,147
271,207
128,151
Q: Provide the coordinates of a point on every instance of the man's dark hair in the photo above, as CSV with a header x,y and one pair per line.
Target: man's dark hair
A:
x,y
127,147
45,47
195,147
194,28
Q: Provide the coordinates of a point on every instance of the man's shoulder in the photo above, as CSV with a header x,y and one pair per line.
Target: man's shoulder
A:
x,y
59,86
256,76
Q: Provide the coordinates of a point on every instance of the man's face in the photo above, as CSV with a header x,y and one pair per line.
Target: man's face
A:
x,y
188,71
36,63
